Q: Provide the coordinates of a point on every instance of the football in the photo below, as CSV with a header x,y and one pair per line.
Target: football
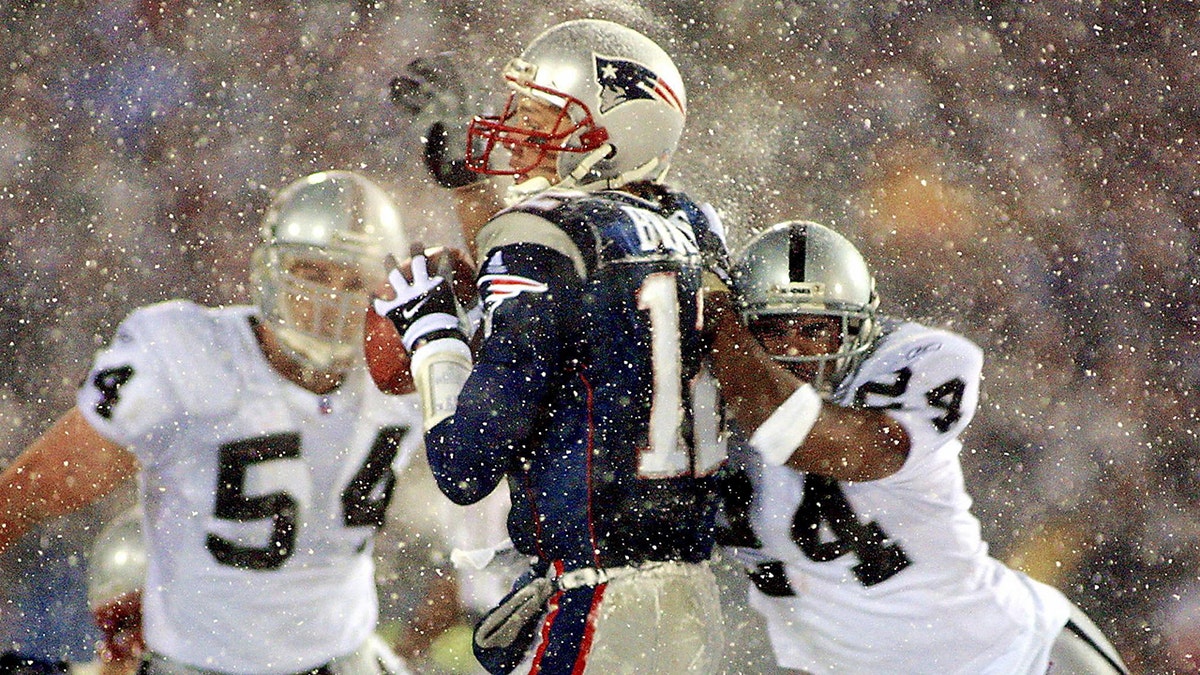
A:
x,y
386,358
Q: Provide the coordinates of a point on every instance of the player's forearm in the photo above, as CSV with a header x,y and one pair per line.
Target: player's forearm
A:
x,y
67,468
15,520
470,452
28,496
752,385
843,443
852,444
475,204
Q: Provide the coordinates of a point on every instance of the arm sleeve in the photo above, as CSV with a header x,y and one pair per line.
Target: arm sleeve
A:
x,y
530,293
126,394
928,381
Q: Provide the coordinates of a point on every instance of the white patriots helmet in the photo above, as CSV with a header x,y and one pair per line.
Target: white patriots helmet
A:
x,y
622,104
337,216
801,267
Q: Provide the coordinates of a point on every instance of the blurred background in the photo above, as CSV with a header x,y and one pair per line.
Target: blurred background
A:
x,y
1026,173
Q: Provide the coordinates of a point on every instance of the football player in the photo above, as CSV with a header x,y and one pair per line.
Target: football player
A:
x,y
866,557
265,456
580,393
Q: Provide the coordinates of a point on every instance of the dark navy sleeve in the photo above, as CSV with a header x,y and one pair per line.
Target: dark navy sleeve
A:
x,y
531,294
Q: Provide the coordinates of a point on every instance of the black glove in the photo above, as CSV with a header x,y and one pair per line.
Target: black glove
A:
x,y
423,309
448,169
431,89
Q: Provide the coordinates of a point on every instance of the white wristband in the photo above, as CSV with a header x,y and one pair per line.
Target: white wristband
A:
x,y
439,370
426,325
785,430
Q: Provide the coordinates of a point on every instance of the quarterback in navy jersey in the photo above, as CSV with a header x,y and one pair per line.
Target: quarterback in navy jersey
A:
x,y
574,334
588,380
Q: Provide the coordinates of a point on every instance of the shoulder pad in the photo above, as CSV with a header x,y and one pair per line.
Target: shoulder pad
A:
x,y
516,226
927,378
193,346
912,343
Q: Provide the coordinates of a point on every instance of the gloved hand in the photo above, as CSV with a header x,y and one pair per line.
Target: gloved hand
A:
x,y
431,89
424,308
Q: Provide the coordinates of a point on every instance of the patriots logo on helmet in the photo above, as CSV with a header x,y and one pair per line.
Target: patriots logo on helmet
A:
x,y
622,80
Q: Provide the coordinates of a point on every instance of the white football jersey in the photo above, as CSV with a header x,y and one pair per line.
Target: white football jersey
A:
x,y
892,575
261,498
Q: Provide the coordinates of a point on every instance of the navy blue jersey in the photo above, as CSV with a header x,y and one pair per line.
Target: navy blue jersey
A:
x,y
582,388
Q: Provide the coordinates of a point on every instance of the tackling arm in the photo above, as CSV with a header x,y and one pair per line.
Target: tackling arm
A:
x,y
433,91
66,468
842,443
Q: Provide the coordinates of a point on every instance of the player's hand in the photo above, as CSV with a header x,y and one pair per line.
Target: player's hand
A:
x,y
120,622
431,89
455,265
423,307
719,307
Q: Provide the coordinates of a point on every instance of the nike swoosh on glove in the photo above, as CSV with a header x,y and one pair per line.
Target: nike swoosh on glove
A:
x,y
423,309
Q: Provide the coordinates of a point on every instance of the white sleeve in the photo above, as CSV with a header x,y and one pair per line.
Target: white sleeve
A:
x,y
925,379
439,370
127,392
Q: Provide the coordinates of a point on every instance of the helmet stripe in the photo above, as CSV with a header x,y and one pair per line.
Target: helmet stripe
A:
x,y
798,251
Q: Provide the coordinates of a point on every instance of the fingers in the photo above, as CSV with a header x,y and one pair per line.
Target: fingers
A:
x,y
423,79
382,307
397,280
420,271
406,289
438,71
401,292
421,280
455,265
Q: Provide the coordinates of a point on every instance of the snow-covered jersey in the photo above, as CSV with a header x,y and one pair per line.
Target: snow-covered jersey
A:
x,y
261,498
581,390
892,575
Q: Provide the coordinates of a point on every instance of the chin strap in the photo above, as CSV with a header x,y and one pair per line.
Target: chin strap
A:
x,y
654,169
519,192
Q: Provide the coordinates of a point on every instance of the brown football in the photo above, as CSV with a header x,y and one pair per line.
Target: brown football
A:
x,y
386,359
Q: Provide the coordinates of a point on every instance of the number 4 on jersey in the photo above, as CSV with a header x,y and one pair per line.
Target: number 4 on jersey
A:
x,y
879,559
